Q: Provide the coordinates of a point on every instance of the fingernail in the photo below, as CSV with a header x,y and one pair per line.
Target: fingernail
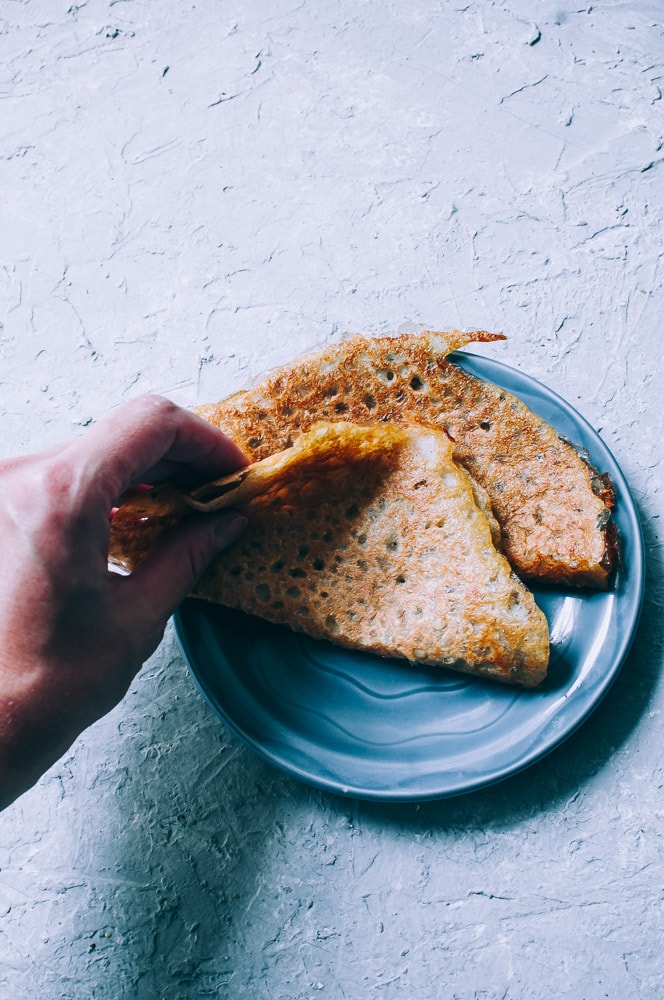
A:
x,y
228,525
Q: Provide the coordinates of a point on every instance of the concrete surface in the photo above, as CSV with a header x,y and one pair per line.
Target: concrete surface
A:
x,y
193,192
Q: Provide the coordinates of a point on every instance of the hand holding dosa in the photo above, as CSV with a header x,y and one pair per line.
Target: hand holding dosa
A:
x,y
73,634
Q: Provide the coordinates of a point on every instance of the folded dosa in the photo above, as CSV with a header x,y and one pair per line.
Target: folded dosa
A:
x,y
371,537
553,508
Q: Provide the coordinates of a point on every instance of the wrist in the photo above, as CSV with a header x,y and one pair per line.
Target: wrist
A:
x,y
35,728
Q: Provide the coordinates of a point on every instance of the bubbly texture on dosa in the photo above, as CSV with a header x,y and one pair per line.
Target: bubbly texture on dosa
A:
x,y
369,536
554,509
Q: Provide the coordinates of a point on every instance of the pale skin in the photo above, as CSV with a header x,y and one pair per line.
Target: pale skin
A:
x,y
73,635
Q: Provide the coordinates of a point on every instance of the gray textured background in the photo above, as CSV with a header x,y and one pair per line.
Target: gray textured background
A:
x,y
191,193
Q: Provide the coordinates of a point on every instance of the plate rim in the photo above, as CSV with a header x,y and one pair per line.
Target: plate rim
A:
x,y
490,371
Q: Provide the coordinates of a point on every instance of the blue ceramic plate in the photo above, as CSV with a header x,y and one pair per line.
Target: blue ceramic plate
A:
x,y
363,726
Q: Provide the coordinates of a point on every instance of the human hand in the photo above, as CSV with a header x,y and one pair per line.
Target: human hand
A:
x,y
72,633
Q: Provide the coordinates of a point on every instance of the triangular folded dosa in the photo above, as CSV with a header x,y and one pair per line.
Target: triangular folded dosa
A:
x,y
553,508
371,537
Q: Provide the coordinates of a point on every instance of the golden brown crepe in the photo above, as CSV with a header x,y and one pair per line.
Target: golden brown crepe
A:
x,y
553,507
371,537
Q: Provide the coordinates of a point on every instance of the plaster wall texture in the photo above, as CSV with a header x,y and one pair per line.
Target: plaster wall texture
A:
x,y
193,193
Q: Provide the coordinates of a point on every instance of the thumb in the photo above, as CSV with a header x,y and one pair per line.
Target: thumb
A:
x,y
171,569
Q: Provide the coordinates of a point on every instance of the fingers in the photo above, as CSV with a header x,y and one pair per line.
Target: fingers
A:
x,y
148,436
173,566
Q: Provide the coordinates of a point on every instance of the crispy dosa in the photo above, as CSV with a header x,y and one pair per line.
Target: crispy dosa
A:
x,y
371,537
553,508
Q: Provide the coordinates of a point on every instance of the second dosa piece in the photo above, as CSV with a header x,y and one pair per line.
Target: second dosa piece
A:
x,y
553,508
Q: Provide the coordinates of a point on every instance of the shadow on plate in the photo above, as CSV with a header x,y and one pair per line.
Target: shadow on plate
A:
x,y
555,779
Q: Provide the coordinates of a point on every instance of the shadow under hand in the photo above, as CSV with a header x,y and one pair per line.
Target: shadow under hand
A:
x,y
186,837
